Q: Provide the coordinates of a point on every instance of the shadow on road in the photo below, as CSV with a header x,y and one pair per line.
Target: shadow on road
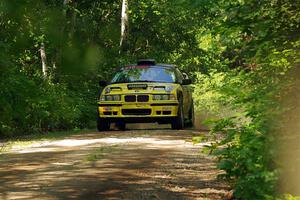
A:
x,y
150,164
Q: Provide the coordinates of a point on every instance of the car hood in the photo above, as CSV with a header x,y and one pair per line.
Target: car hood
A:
x,y
138,87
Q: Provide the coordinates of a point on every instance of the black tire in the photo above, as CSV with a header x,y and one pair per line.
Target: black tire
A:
x,y
178,122
121,126
102,124
191,119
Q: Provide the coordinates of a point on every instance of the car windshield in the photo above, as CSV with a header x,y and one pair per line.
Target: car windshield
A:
x,y
145,74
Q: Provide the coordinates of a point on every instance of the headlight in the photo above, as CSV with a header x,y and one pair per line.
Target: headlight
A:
x,y
163,88
159,88
110,98
169,88
157,97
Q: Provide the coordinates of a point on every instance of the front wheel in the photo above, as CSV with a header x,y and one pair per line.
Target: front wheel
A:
x,y
191,119
178,122
121,126
102,124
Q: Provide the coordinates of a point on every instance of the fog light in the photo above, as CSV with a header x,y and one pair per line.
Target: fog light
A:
x,y
158,97
110,98
116,97
165,97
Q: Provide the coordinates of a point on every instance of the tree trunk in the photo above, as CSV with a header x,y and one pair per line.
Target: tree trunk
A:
x,y
57,63
124,22
70,17
66,2
73,21
44,61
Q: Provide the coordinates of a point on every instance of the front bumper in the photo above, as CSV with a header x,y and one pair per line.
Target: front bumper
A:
x,y
138,110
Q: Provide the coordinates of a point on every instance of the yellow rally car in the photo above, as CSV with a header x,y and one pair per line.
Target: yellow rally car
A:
x,y
146,92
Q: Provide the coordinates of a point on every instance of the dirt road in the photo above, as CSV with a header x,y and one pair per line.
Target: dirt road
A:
x,y
135,164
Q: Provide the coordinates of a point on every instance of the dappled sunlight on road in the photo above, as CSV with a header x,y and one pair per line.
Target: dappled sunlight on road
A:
x,y
154,141
136,165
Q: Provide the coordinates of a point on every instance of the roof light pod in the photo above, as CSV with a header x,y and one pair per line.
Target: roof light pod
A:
x,y
146,62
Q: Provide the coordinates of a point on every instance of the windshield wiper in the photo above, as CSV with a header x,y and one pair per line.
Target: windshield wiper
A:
x,y
139,81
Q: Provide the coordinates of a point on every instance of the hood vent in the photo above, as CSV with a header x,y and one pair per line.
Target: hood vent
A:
x,y
137,86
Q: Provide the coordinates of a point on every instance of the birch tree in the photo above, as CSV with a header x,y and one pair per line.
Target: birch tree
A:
x,y
44,60
124,22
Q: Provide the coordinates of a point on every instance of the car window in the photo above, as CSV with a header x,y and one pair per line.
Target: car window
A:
x,y
145,74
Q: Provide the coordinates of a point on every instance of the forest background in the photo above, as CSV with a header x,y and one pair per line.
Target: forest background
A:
x,y
242,55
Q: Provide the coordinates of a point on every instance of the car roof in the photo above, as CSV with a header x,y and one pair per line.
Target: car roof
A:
x,y
152,66
166,65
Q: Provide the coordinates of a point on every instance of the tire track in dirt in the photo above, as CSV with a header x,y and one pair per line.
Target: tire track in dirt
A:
x,y
136,164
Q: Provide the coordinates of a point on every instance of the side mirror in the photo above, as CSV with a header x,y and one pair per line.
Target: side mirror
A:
x,y
186,81
185,76
102,83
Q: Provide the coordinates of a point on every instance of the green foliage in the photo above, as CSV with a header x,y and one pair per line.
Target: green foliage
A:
x,y
251,106
79,53
29,107
285,197
208,97
239,52
259,49
243,153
